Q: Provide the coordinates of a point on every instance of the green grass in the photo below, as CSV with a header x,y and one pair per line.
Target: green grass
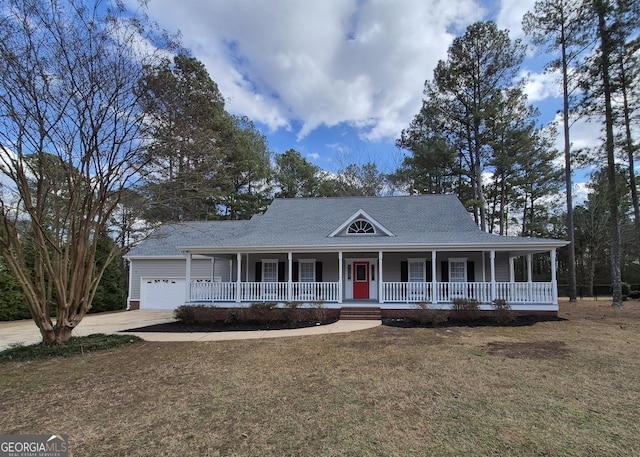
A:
x,y
76,345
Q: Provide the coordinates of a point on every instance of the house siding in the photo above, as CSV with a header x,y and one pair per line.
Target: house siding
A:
x,y
329,264
502,267
176,269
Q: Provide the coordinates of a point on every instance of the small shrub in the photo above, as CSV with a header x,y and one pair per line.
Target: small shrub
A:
x,y
626,289
502,312
262,312
291,312
196,314
426,315
185,314
466,309
635,294
233,317
318,311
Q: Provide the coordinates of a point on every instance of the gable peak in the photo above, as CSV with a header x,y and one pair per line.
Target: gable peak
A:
x,y
360,223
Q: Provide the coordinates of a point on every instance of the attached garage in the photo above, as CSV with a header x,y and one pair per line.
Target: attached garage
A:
x,y
162,293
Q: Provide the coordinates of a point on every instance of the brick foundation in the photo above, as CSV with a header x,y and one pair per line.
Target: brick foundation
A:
x,y
134,304
413,313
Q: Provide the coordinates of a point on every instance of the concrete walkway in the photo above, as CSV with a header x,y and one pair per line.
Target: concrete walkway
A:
x,y
25,332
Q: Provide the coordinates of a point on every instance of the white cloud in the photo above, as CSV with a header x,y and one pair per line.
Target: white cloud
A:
x,y
542,86
510,16
583,134
580,193
320,63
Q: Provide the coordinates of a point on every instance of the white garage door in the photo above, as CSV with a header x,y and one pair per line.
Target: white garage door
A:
x,y
159,293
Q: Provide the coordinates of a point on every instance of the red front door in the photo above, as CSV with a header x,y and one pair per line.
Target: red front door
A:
x,y
361,280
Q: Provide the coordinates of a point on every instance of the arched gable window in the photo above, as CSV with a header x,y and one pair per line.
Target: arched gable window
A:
x,y
361,227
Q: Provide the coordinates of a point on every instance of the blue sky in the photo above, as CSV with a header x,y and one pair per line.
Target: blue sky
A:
x,y
339,79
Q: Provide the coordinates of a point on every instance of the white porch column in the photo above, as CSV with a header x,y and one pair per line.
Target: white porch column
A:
x,y
340,283
290,277
239,273
213,269
187,291
434,283
130,283
492,257
529,268
512,269
380,286
484,267
246,269
554,280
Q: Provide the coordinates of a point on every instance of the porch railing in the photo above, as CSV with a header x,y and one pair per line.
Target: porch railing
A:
x,y
403,292
315,291
444,292
213,291
519,292
264,291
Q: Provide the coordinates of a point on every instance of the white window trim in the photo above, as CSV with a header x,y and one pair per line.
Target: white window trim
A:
x,y
269,261
375,232
307,261
360,214
423,261
463,260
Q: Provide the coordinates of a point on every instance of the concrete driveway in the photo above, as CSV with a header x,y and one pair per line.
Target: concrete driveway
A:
x,y
25,332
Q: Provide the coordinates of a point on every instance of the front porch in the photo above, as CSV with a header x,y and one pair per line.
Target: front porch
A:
x,y
386,279
437,293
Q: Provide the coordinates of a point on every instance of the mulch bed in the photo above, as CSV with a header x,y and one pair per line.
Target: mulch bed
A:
x,y
179,327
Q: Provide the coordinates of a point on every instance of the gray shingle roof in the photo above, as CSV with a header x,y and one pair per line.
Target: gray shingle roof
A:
x,y
166,239
427,220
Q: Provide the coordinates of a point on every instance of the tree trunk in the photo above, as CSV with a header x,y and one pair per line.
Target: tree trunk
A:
x,y
633,186
58,336
571,254
612,190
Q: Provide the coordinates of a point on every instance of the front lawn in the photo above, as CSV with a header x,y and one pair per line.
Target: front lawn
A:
x,y
563,388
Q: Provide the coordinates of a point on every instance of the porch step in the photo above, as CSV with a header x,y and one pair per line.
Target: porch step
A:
x,y
361,313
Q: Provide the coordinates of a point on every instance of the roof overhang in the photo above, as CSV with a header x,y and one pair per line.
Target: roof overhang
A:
x,y
518,248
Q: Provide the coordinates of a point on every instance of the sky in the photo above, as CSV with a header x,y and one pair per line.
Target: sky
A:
x,y
338,80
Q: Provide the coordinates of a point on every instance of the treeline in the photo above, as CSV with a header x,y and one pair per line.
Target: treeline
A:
x,y
203,163
111,293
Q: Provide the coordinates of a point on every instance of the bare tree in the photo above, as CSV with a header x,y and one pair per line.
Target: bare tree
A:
x,y
70,142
